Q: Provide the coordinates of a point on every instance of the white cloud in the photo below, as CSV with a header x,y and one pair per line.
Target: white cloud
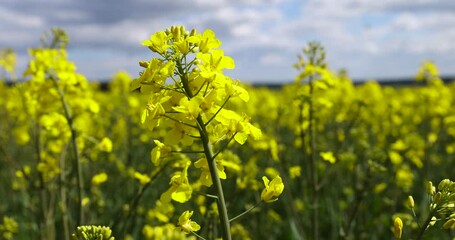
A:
x,y
272,59
16,19
407,21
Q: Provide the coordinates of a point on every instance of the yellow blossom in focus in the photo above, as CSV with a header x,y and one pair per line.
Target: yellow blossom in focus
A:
x,y
208,41
159,152
157,42
272,189
206,178
180,190
191,108
186,224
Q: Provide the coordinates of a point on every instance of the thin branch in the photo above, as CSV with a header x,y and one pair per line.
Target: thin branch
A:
x,y
181,122
245,212
225,146
197,235
207,195
175,151
69,119
214,115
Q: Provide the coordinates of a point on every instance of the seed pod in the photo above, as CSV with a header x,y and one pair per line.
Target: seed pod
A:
x,y
437,197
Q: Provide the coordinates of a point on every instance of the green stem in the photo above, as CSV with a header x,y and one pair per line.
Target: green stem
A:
x,y
245,212
69,119
225,146
359,196
63,201
290,205
313,167
135,203
424,226
44,233
41,212
197,235
207,195
415,217
176,120
224,219
192,152
208,151
219,109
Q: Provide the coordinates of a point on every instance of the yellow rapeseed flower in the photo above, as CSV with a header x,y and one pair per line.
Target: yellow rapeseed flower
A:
x,y
328,156
99,178
272,189
186,224
105,145
397,227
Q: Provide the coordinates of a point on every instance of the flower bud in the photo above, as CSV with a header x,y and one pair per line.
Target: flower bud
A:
x,y
397,228
182,29
433,221
430,188
451,188
410,202
444,184
143,64
193,32
450,223
175,30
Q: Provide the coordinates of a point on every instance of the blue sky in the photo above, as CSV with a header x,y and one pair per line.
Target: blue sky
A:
x,y
371,39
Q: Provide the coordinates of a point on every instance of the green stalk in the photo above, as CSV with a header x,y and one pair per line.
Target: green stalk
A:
x,y
69,118
208,152
45,233
424,226
41,212
245,212
313,167
135,203
64,207
221,203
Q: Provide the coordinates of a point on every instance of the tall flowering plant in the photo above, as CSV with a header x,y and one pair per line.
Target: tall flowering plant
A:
x,y
188,95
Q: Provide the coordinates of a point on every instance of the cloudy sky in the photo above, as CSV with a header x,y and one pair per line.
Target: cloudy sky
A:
x,y
370,38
